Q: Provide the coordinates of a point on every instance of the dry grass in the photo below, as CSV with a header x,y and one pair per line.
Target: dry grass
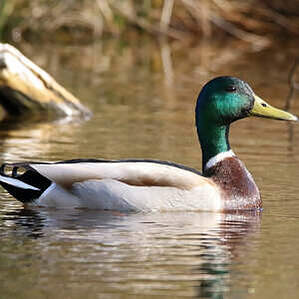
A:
x,y
253,21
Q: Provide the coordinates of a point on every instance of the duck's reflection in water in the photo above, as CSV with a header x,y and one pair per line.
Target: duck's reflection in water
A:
x,y
159,253
232,242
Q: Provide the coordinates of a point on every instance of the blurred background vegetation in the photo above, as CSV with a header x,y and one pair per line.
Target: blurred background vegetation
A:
x,y
254,21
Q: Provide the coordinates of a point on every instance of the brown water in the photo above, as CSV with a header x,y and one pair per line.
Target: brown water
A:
x,y
143,98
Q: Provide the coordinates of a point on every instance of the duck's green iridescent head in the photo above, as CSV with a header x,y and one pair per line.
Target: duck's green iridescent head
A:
x,y
226,99
222,101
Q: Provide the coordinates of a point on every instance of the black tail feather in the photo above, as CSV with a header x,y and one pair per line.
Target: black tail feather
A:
x,y
23,182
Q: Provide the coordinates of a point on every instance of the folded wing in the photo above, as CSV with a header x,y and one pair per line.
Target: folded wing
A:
x,y
131,172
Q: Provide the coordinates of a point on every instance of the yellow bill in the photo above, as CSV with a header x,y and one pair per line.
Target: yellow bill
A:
x,y
263,109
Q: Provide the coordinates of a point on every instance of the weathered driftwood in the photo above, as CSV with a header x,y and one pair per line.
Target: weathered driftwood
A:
x,y
25,88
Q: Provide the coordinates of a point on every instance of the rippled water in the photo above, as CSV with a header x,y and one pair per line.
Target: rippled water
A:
x,y
143,99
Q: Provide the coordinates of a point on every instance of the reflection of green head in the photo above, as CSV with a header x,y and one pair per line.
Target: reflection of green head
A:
x,y
222,101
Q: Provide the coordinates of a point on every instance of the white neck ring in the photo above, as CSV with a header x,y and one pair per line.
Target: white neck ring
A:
x,y
219,157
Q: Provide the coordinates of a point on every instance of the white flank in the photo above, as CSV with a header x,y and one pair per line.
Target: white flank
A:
x,y
17,183
221,156
119,187
110,194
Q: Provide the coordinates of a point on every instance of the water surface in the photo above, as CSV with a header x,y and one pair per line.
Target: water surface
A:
x,y
142,97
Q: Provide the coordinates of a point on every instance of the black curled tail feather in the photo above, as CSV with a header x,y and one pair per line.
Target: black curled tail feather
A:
x,y
23,182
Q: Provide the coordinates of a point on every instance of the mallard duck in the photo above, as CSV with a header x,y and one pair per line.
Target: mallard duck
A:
x,y
153,185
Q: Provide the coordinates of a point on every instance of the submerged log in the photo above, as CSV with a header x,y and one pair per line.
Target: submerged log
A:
x,y
25,88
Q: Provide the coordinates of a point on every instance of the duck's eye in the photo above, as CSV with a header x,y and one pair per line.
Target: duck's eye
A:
x,y
230,88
